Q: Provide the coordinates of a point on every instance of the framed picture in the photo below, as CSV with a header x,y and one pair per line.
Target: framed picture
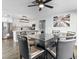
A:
x,y
61,21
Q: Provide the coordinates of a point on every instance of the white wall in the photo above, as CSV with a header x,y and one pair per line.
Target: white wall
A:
x,y
73,23
49,23
6,19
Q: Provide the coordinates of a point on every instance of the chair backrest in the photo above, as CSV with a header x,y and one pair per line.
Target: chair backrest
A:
x,y
24,47
65,49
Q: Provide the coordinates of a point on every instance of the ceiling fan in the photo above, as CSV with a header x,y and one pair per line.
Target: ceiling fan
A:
x,y
40,4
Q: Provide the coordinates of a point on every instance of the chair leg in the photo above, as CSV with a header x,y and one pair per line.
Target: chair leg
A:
x,y
73,56
20,57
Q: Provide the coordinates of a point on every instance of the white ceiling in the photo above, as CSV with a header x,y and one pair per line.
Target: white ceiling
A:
x,y
19,7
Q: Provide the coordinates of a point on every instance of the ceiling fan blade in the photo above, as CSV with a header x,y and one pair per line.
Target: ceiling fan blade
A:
x,y
41,1
34,2
40,9
37,1
48,6
31,5
47,1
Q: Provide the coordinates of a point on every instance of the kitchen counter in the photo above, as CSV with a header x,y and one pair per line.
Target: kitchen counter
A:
x,y
17,32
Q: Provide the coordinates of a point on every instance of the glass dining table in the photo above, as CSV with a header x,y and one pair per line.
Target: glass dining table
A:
x,y
45,42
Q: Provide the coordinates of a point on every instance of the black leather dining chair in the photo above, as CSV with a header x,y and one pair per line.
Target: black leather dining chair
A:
x,y
25,49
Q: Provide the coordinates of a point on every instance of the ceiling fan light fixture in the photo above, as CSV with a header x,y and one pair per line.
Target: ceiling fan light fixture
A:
x,y
41,5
